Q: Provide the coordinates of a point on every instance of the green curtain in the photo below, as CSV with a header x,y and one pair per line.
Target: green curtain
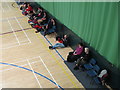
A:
x,y
95,22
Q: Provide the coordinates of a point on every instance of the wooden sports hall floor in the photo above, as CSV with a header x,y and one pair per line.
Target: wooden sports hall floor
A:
x,y
26,61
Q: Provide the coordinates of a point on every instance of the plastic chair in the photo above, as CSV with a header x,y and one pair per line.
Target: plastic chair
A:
x,y
93,61
96,68
97,81
88,66
91,73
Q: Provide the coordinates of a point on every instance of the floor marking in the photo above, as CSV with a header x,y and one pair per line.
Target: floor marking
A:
x,y
22,29
10,44
48,71
14,32
8,6
55,49
15,46
20,61
23,58
15,67
54,58
12,18
32,71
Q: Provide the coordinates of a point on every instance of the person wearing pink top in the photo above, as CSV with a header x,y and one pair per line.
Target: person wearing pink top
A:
x,y
73,56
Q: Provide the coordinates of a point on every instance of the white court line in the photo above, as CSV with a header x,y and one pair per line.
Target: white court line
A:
x,y
13,43
13,31
8,6
48,71
16,67
22,29
15,46
34,73
11,18
21,58
20,61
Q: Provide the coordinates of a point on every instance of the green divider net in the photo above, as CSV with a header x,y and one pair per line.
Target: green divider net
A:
x,y
94,22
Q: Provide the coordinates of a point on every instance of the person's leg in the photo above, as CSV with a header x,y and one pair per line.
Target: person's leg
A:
x,y
74,58
50,30
38,30
69,58
77,64
58,45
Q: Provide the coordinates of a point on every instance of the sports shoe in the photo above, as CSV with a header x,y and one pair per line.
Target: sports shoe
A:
x,y
76,68
50,47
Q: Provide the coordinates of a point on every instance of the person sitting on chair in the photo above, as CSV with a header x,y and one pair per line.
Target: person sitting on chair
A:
x,y
73,56
85,57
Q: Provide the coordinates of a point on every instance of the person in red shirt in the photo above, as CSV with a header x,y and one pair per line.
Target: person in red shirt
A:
x,y
59,43
29,7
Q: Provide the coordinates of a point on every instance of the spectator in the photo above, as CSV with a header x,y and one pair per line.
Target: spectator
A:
x,y
65,40
29,8
85,57
32,20
50,27
73,56
60,42
38,26
23,8
39,10
102,77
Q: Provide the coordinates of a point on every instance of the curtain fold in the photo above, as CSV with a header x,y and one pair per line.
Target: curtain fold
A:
x,y
95,22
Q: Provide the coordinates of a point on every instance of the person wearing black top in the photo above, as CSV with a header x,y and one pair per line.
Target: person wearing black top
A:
x,y
50,27
65,40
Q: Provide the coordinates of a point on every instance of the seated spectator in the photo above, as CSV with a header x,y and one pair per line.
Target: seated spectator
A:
x,y
50,27
39,26
73,56
60,42
41,15
26,8
23,7
29,8
32,20
102,77
85,57
39,10
30,14
65,40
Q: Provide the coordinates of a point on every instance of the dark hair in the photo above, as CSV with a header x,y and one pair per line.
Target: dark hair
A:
x,y
31,11
80,43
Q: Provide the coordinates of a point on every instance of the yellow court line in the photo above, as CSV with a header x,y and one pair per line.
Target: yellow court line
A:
x,y
57,61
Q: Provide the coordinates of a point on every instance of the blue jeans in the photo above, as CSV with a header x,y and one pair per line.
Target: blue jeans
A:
x,y
51,30
58,45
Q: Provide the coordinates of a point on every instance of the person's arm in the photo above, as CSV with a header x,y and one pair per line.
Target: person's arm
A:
x,y
53,21
44,15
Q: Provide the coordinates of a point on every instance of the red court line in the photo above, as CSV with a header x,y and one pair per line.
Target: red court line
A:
x,y
15,31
